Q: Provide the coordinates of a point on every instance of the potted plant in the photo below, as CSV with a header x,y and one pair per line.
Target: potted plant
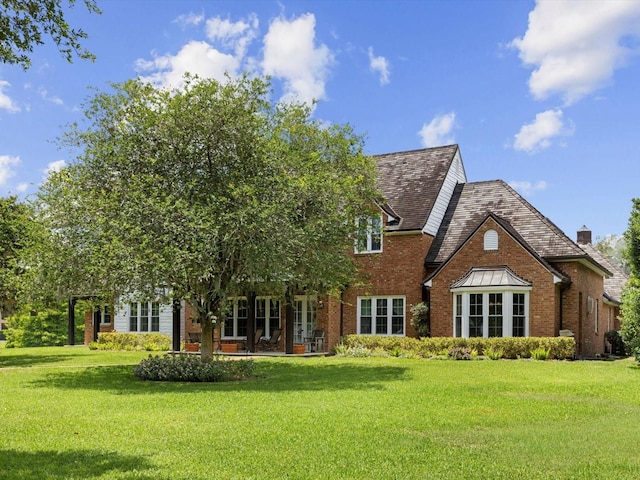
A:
x,y
191,347
229,348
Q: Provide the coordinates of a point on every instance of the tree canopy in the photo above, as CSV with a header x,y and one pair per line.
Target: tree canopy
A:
x,y
16,234
630,328
201,194
24,24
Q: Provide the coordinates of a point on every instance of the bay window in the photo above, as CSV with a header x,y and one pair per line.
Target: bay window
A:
x,y
495,313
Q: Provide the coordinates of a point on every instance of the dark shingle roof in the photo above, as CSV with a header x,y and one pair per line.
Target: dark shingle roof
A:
x,y
411,181
470,204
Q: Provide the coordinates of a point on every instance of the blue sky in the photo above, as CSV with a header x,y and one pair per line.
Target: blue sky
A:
x,y
544,95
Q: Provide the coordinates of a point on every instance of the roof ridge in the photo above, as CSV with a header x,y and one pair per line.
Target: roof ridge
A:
x,y
442,147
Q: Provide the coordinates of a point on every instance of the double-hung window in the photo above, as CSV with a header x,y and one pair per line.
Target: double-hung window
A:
x,y
144,317
369,234
381,315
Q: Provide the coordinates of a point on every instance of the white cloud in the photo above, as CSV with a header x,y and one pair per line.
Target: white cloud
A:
x,y
45,96
54,167
195,57
6,170
290,54
438,131
22,187
528,188
224,53
379,65
189,19
575,46
5,101
538,134
234,35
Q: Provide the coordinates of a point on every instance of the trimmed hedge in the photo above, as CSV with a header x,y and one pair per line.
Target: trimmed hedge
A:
x,y
153,342
560,348
193,368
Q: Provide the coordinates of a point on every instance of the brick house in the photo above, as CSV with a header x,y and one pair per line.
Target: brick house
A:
x,y
485,261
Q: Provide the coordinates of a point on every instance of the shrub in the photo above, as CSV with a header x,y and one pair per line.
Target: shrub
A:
x,y
192,368
44,328
420,319
494,353
512,347
540,353
151,342
462,353
618,346
354,350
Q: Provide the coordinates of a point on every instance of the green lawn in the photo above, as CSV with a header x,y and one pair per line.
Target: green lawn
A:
x,y
71,413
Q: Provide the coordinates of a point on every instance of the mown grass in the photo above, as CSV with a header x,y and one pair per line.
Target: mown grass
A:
x,y
69,413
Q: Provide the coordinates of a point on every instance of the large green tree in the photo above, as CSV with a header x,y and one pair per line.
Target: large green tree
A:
x,y
16,234
24,24
630,328
201,194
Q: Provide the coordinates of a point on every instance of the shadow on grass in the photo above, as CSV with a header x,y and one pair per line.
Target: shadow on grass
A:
x,y
17,464
271,377
19,359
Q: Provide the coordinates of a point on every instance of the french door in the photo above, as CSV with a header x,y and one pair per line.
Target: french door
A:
x,y
304,317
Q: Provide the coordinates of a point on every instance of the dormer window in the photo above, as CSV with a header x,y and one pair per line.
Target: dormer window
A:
x,y
491,240
369,234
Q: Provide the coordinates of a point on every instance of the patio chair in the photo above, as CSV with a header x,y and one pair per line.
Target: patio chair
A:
x,y
271,343
257,338
318,341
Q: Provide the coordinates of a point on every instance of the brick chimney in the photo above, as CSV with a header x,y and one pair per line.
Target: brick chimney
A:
x,y
584,235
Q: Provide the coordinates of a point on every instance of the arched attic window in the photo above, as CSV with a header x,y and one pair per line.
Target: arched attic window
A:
x,y
491,240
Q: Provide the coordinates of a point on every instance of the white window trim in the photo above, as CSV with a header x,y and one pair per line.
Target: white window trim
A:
x,y
139,318
234,307
490,240
234,303
370,234
507,310
305,318
103,315
390,299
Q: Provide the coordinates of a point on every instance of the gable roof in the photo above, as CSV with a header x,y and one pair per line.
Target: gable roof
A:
x,y
508,228
472,202
411,181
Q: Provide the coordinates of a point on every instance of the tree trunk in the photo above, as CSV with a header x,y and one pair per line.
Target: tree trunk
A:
x,y
206,339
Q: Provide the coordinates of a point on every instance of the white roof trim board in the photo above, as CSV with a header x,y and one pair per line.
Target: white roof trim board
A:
x,y
455,175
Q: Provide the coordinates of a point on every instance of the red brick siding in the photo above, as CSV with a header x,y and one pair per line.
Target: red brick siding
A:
x,y
88,326
576,314
543,298
397,271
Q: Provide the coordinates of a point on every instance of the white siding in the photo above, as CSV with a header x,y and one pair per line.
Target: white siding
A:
x,y
454,176
121,319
